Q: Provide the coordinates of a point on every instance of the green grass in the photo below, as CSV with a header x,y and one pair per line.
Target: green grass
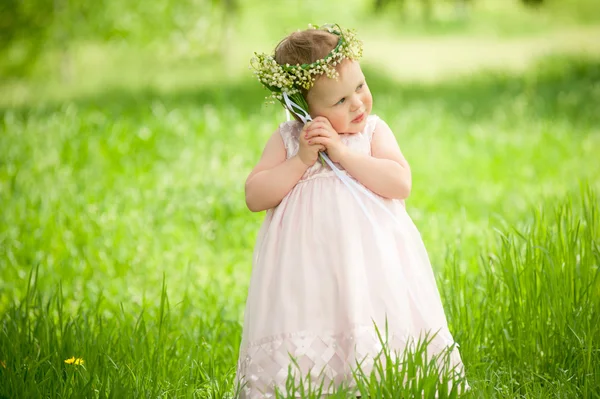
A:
x,y
124,237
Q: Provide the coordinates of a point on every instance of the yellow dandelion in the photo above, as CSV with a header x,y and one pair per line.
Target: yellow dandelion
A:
x,y
77,361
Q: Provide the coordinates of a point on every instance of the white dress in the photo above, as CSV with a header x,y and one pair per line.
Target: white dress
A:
x,y
324,274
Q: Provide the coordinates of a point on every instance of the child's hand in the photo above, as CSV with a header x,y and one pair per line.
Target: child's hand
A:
x,y
308,153
320,132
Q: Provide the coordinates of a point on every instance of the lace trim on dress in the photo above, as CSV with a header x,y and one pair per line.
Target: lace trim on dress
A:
x,y
329,358
289,131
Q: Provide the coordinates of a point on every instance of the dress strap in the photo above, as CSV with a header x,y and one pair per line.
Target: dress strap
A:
x,y
289,134
370,126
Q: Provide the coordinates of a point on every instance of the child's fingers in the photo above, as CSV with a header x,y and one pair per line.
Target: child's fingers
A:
x,y
319,140
318,132
302,138
322,119
306,127
312,133
324,123
316,125
321,130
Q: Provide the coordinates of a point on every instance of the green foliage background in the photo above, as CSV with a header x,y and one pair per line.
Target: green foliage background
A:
x,y
127,130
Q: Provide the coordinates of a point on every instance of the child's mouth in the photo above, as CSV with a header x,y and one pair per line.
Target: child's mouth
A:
x,y
359,118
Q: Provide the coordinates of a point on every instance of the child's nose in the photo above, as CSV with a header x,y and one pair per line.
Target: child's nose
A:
x,y
356,103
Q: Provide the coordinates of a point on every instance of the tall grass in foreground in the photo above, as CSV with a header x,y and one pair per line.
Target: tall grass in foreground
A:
x,y
527,326
164,352
415,372
529,323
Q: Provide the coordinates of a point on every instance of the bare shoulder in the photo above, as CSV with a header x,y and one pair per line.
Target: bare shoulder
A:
x,y
381,127
274,152
384,143
275,146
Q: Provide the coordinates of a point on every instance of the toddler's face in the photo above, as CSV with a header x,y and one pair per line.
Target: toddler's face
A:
x,y
346,102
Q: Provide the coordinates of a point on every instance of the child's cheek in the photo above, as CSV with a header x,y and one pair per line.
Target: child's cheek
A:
x,y
340,125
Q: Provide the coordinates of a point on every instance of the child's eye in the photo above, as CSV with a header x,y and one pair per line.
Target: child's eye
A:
x,y
341,101
360,86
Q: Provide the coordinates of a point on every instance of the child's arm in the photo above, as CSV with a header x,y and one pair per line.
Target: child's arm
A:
x,y
273,177
386,172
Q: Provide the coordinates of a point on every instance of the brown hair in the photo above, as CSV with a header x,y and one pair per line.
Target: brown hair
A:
x,y
305,47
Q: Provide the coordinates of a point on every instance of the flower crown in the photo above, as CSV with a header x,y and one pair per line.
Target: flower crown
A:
x,y
292,79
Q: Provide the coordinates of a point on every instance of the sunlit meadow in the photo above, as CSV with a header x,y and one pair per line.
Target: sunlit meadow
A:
x,y
126,245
